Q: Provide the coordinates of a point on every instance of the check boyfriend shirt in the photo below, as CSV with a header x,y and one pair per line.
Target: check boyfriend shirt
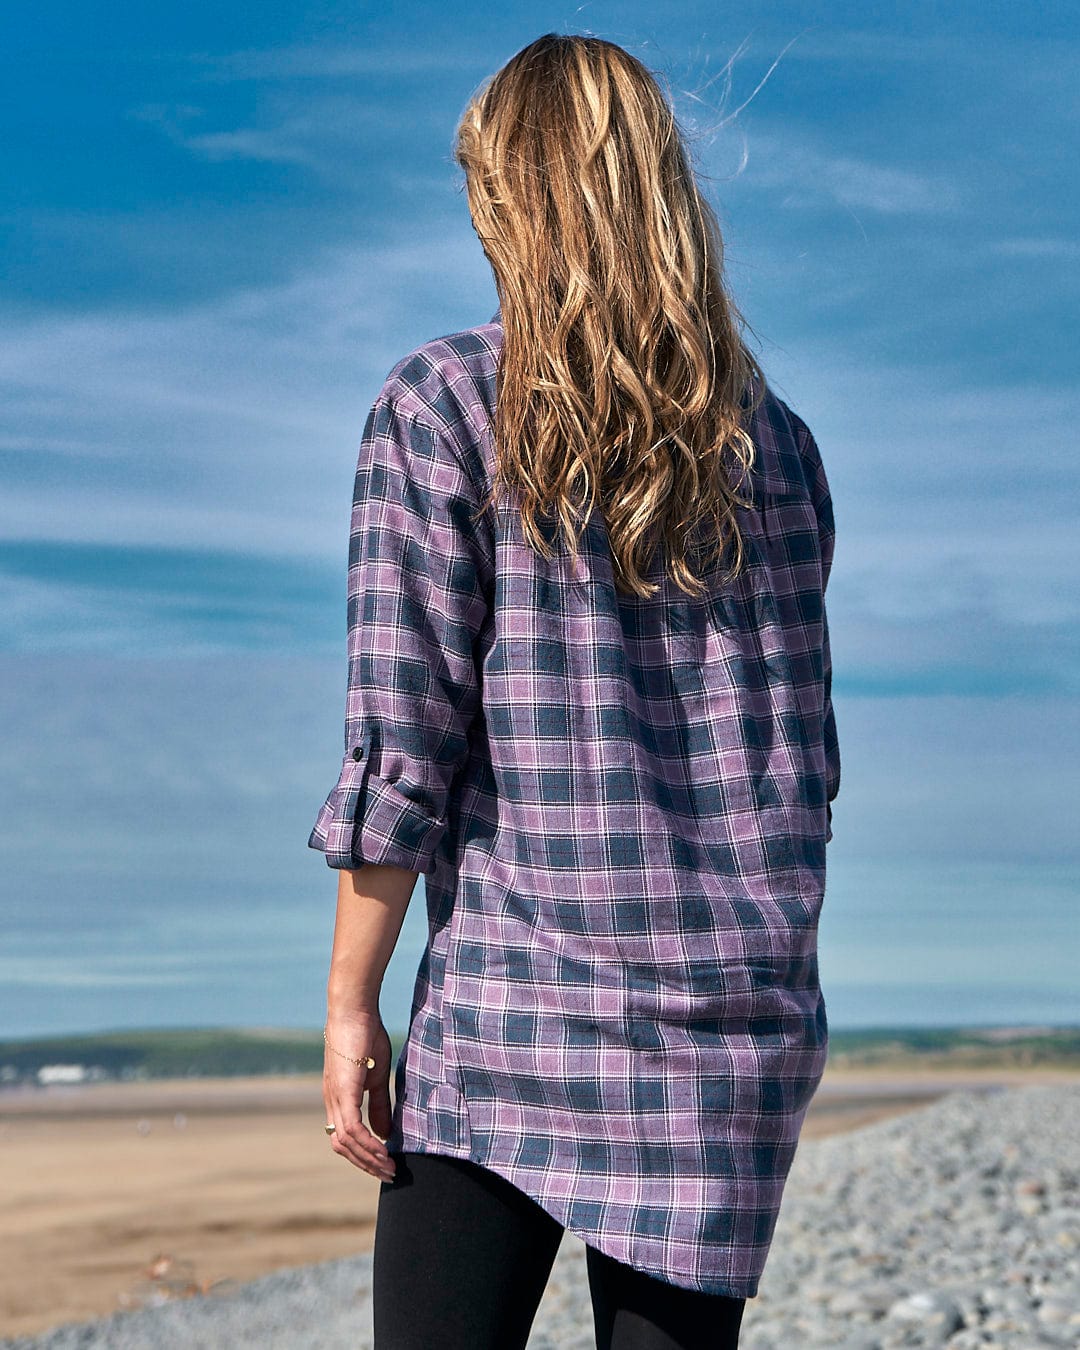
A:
x,y
621,808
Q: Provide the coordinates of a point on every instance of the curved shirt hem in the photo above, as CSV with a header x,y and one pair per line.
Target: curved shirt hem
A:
x,y
561,1212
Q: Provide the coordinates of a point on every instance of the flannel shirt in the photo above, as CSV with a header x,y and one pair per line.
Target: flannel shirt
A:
x,y
620,806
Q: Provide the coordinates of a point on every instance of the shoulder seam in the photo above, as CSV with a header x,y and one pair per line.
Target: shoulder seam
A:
x,y
441,427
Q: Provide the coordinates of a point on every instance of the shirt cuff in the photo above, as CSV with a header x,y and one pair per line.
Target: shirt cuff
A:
x,y
367,819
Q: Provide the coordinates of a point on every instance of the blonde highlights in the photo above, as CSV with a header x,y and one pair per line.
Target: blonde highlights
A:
x,y
623,384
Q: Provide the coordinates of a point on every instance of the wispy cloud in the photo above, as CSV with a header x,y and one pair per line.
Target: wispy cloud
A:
x,y
331,134
827,44
316,62
282,145
805,175
133,600
1049,247
101,971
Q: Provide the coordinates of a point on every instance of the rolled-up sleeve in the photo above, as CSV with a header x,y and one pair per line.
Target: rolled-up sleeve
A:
x,y
417,601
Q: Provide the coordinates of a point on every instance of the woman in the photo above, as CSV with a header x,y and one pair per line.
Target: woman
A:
x,y
589,698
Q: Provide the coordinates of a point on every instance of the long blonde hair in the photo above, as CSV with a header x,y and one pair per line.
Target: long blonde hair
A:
x,y
623,381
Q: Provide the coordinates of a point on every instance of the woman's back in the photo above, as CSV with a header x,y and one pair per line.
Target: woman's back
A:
x,y
621,803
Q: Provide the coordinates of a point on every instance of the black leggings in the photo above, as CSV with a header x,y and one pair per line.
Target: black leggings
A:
x,y
462,1258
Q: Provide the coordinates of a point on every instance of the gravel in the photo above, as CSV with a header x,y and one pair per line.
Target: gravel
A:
x,y
954,1225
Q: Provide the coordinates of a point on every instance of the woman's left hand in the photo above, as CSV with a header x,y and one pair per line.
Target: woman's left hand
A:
x,y
358,1035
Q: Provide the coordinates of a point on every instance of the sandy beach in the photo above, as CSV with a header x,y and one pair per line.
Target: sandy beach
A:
x,y
122,1194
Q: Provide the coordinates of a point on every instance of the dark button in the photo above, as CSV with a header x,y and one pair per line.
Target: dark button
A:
x,y
358,752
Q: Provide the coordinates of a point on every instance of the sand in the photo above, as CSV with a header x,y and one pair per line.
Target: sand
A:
x,y
118,1194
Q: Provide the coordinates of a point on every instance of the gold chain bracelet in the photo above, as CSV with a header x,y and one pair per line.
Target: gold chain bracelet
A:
x,y
367,1061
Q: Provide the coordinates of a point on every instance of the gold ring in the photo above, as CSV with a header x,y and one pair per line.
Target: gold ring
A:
x,y
329,1128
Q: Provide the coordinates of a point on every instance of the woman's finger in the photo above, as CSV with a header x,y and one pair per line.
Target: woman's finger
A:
x,y
351,1138
362,1144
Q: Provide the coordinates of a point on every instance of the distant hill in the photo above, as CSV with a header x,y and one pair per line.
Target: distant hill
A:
x,y
240,1052
1004,1047
172,1052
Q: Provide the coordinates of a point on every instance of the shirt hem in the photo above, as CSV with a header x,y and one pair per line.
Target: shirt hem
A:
x,y
561,1213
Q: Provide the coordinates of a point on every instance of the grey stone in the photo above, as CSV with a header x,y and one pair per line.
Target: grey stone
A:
x,y
928,1309
1059,1312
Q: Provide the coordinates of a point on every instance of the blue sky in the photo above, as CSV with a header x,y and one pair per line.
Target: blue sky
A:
x,y
220,229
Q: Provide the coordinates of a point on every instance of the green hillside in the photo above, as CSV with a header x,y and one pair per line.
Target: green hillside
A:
x,y
172,1052
1019,1047
199,1052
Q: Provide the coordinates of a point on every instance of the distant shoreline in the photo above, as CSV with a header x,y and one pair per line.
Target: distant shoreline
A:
x,y
877,1085
193,1054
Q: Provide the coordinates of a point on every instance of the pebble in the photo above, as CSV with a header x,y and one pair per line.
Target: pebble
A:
x,y
956,1224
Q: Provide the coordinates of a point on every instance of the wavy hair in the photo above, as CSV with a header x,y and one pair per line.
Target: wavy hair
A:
x,y
623,383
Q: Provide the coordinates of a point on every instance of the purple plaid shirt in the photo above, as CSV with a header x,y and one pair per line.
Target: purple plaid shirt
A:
x,y
621,806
